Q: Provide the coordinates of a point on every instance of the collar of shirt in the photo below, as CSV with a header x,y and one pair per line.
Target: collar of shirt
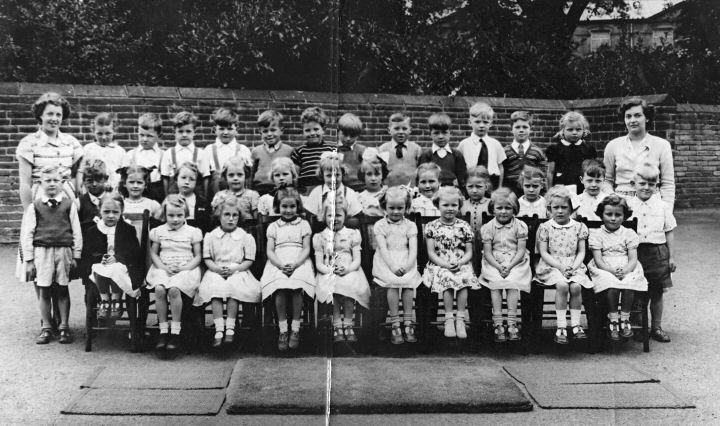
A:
x,y
190,148
292,222
93,199
106,229
643,143
45,199
342,147
326,189
274,148
566,143
531,203
235,235
441,151
475,139
44,139
395,144
478,202
500,225
232,144
602,227
557,225
516,145
155,148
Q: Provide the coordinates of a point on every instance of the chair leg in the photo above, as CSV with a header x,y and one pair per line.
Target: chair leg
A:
x,y
90,314
646,337
131,308
537,299
594,324
526,319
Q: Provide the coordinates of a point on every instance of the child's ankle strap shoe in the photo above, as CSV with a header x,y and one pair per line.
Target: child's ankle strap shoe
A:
x,y
44,337
614,331
460,328
626,329
396,336
500,333
350,334
660,335
513,333
410,334
578,333
450,328
561,336
338,335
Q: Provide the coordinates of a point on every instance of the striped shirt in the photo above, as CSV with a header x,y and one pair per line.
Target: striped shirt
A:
x,y
307,158
41,151
514,164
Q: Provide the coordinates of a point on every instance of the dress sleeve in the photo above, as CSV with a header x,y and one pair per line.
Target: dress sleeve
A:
x,y
412,231
355,238
486,233
430,229
317,243
583,232
305,229
154,237
594,240
249,247
196,236
207,251
272,231
379,229
25,150
551,153
467,233
543,233
632,241
522,230
254,199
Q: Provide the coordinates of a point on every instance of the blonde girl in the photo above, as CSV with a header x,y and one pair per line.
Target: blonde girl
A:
x,y
228,252
561,244
340,279
477,186
134,181
427,180
566,155
532,182
332,172
505,264
288,273
283,173
395,261
176,255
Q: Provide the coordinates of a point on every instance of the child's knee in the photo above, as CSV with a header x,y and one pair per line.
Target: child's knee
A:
x,y
174,293
160,292
562,288
575,289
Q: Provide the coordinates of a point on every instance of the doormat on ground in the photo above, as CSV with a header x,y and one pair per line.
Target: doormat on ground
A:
x,y
371,385
133,402
159,378
152,391
594,385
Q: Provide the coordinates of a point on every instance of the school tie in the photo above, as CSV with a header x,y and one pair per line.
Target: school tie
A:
x,y
53,202
398,150
344,148
521,151
483,156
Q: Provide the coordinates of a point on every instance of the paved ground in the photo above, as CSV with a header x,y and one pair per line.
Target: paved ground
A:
x,y
36,382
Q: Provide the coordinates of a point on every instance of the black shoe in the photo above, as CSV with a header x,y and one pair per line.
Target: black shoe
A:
x,y
44,337
65,336
173,343
660,335
162,341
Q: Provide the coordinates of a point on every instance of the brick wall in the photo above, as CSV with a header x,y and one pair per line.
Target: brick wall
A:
x,y
692,129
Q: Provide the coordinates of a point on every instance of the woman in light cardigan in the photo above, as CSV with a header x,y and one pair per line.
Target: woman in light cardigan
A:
x,y
624,154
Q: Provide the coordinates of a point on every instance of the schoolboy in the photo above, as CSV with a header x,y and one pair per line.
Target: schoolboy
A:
x,y
104,148
450,160
350,151
656,252
479,149
225,146
307,157
148,154
95,178
521,152
184,150
51,241
593,178
271,131
403,155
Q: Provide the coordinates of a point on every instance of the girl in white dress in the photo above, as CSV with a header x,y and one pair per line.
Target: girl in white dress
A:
x,y
505,264
133,183
561,242
283,173
395,261
615,267
228,252
288,272
340,279
176,255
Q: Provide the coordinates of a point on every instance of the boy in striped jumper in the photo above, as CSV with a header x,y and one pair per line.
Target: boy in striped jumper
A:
x,y
307,157
521,152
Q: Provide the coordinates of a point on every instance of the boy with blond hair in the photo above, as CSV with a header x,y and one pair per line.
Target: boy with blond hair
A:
x,y
479,149
148,154
403,154
184,151
225,147
349,150
271,130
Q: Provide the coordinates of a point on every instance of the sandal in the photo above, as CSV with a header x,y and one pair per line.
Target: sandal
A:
x,y
499,334
338,335
102,310
116,310
65,336
578,333
350,335
561,336
396,336
410,334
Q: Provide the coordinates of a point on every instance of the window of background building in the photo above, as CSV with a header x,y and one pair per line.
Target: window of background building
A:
x,y
662,36
599,38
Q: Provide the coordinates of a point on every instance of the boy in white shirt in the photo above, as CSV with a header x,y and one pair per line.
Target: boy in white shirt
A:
x,y
225,147
479,149
148,154
593,179
184,150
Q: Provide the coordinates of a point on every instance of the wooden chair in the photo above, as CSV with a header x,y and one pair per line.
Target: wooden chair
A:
x,y
601,307
376,321
93,324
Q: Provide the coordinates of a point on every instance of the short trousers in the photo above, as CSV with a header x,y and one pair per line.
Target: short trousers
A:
x,y
655,260
52,265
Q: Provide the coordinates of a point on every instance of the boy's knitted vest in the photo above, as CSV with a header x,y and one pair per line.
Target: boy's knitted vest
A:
x,y
53,227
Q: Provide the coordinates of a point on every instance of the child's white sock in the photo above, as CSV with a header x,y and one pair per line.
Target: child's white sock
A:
x,y
295,325
561,315
348,323
461,315
175,327
395,320
164,326
497,319
407,318
283,326
624,316
219,324
449,316
230,326
512,316
574,317
337,324
613,316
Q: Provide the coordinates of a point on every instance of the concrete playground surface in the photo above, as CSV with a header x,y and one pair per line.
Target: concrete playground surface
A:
x,y
36,381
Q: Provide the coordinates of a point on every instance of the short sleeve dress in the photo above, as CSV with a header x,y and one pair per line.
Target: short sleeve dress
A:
x,y
476,210
450,241
562,241
337,248
614,247
248,199
228,249
288,238
176,248
397,236
40,151
504,239
133,212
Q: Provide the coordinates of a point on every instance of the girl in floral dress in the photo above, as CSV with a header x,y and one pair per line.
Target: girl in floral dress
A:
x,y
449,271
561,242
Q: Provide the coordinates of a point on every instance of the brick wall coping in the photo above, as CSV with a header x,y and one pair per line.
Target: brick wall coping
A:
x,y
164,92
698,108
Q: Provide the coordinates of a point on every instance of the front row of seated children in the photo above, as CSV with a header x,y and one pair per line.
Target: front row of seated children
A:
x,y
111,259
